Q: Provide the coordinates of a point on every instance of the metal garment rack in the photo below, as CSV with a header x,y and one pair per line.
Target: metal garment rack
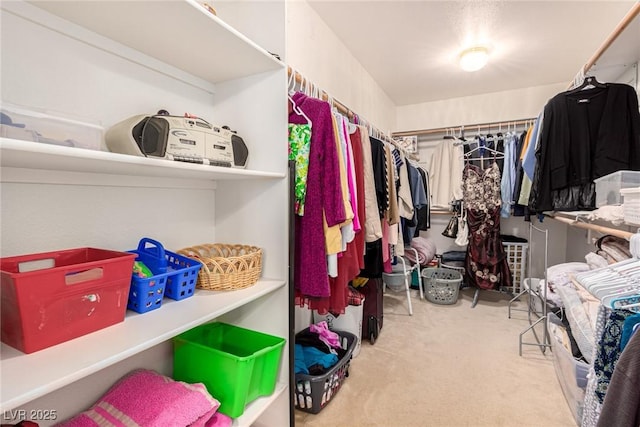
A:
x,y
532,294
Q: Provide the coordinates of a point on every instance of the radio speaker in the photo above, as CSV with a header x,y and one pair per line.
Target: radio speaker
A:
x,y
240,151
151,136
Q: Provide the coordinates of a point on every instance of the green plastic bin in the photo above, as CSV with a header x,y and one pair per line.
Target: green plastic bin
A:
x,y
236,365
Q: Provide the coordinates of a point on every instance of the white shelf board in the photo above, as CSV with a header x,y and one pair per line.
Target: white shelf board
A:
x,y
28,376
254,409
211,49
583,217
34,155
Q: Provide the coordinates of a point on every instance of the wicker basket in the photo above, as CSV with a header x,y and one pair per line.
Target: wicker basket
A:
x,y
226,267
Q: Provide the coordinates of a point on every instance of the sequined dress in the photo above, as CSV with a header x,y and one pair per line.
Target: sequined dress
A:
x,y
486,262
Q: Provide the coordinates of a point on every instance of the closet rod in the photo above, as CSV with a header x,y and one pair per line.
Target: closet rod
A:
x,y
624,23
325,96
466,127
604,230
299,78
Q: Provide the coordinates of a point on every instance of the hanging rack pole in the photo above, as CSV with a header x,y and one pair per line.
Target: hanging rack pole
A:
x,y
299,78
624,23
604,230
343,109
478,126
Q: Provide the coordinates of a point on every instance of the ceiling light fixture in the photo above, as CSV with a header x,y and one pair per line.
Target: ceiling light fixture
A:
x,y
474,58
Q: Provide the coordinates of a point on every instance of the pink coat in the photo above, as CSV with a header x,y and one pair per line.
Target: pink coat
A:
x,y
323,194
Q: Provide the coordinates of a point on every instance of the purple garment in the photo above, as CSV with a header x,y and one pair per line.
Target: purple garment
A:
x,y
324,194
325,335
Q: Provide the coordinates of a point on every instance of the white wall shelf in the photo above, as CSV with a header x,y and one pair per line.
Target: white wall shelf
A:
x,y
28,376
255,408
104,61
581,220
31,155
182,33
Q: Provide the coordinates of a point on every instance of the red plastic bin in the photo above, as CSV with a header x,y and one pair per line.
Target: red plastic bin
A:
x,y
52,297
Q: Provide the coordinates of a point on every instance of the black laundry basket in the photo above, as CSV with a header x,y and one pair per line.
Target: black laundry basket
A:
x,y
314,392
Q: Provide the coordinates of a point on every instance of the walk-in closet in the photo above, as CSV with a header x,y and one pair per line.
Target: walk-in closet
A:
x,y
319,213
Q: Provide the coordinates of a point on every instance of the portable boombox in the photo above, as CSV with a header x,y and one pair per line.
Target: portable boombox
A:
x,y
178,138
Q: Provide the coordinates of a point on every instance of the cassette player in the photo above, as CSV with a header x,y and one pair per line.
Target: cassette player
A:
x,y
186,139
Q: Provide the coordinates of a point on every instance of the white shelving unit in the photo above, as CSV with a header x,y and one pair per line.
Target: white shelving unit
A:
x,y
113,344
107,61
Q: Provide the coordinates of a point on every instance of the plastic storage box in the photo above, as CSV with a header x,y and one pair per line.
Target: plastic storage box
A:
x,y
608,187
571,373
313,392
174,276
52,297
631,205
236,365
29,124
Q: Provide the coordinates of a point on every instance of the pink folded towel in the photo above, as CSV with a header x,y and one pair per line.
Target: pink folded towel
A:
x,y
148,399
219,420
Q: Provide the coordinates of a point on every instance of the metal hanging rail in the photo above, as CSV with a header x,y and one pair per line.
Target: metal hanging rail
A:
x,y
594,227
353,117
624,23
302,80
478,126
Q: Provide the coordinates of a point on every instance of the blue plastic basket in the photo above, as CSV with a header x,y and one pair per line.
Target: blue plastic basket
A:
x,y
152,254
146,294
174,276
183,276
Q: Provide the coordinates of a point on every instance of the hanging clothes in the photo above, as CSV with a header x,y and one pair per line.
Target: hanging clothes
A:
x,y
419,198
621,407
423,220
373,228
380,175
586,134
358,162
486,262
375,251
445,173
508,175
519,210
299,145
405,199
323,200
349,262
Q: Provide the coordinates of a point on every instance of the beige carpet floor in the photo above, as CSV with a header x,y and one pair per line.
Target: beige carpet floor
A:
x,y
448,365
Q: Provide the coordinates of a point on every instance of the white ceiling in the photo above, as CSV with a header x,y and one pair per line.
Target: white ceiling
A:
x,y
411,48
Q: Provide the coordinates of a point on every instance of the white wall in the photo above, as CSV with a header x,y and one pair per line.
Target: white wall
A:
x,y
319,55
491,107
259,20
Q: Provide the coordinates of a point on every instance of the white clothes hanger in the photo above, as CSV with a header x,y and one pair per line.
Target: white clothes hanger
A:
x,y
609,299
496,154
631,303
616,286
291,82
295,107
299,111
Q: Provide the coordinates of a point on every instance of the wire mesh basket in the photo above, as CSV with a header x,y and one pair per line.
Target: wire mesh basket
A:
x,y
441,285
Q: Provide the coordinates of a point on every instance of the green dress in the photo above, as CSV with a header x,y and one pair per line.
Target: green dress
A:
x,y
299,143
